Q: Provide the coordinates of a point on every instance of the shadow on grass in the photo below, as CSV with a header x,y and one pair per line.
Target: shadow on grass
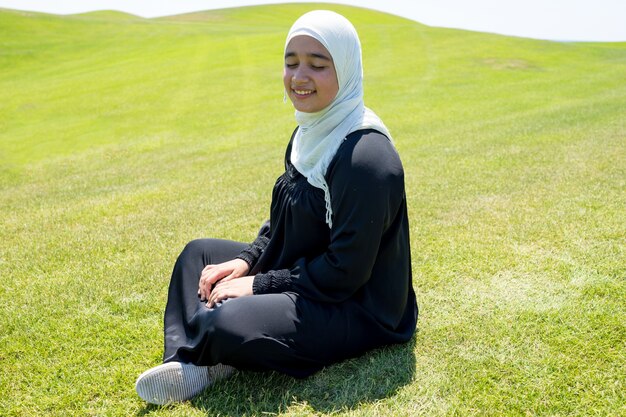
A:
x,y
342,387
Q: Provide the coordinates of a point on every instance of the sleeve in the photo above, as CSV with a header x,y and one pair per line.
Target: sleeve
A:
x,y
366,187
253,252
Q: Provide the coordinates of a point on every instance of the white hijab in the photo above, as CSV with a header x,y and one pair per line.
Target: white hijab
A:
x,y
320,134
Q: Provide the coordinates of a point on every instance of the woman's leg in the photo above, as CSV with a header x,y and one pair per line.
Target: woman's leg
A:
x,y
253,332
181,326
282,332
177,381
258,332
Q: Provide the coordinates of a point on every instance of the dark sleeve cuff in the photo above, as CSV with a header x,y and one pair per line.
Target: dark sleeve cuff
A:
x,y
253,252
244,256
272,282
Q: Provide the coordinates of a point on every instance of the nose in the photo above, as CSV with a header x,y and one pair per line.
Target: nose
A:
x,y
299,76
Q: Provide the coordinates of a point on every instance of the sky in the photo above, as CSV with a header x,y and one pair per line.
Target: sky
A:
x,y
562,20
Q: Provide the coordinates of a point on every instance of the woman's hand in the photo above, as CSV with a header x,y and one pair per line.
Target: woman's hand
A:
x,y
232,288
225,271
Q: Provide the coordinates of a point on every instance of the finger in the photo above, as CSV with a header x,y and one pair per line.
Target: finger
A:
x,y
201,291
213,298
208,289
208,277
207,272
204,289
218,294
214,275
201,281
227,278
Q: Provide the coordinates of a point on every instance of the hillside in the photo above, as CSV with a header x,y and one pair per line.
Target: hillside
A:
x,y
122,138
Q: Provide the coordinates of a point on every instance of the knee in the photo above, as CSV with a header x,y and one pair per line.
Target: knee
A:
x,y
238,320
199,249
225,321
194,247
226,334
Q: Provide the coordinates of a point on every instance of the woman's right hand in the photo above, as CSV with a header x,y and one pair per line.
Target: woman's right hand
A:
x,y
211,274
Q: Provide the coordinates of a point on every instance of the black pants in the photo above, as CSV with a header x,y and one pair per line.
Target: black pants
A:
x,y
282,332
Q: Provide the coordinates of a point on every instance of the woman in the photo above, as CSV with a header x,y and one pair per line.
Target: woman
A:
x,y
329,276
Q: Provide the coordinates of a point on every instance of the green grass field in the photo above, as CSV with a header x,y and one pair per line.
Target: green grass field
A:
x,y
123,138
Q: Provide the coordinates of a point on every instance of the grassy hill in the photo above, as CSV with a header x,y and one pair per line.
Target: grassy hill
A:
x,y
122,138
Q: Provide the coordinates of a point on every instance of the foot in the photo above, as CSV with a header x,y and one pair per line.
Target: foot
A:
x,y
175,381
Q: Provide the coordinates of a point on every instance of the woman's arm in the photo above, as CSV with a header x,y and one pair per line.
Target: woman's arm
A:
x,y
253,252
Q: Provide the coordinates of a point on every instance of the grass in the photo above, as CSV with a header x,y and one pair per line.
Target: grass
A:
x,y
123,138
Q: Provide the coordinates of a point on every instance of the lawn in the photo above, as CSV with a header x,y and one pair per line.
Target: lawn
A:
x,y
123,138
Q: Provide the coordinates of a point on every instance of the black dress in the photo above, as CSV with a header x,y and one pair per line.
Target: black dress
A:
x,y
321,295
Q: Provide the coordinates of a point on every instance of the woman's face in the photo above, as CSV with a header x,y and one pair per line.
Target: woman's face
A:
x,y
310,78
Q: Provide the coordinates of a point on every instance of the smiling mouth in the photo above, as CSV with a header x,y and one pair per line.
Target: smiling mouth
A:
x,y
303,92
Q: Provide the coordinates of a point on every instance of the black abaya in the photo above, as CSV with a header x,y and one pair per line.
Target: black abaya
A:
x,y
321,295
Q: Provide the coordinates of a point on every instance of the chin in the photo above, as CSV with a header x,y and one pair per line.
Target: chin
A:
x,y
308,109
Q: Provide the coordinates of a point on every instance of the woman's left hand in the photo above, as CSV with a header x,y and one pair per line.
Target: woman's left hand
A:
x,y
232,288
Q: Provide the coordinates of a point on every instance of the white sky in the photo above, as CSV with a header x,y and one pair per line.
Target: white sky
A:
x,y
583,20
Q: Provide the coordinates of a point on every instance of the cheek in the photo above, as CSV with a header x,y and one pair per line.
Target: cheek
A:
x,y
334,87
330,87
286,78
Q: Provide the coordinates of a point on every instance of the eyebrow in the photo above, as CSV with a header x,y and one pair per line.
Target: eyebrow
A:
x,y
311,55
